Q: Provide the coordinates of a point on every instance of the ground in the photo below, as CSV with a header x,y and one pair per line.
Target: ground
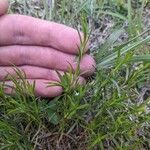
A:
x,y
113,110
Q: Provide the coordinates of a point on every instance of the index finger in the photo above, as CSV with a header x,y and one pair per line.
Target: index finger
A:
x,y
25,30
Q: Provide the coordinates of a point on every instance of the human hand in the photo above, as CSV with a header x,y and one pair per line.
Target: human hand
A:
x,y
38,48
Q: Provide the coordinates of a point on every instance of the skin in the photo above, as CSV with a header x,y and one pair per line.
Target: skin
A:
x,y
38,48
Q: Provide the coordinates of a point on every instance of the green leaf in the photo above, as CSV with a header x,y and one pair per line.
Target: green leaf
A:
x,y
108,44
143,58
85,106
117,15
130,47
52,116
97,140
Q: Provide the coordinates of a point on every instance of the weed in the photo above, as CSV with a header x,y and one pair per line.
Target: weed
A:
x,y
109,112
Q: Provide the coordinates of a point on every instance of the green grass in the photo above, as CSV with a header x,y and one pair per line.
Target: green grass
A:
x,y
110,111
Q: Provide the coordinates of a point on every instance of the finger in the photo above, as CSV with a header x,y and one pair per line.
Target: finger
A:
x,y
29,72
41,88
44,57
3,6
32,72
25,30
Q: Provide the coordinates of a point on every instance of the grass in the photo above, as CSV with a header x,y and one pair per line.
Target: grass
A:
x,y
112,110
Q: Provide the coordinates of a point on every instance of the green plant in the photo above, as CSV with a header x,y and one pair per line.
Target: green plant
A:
x,y
110,111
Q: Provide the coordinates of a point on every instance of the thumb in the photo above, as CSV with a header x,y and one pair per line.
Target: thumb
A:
x,y
3,6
